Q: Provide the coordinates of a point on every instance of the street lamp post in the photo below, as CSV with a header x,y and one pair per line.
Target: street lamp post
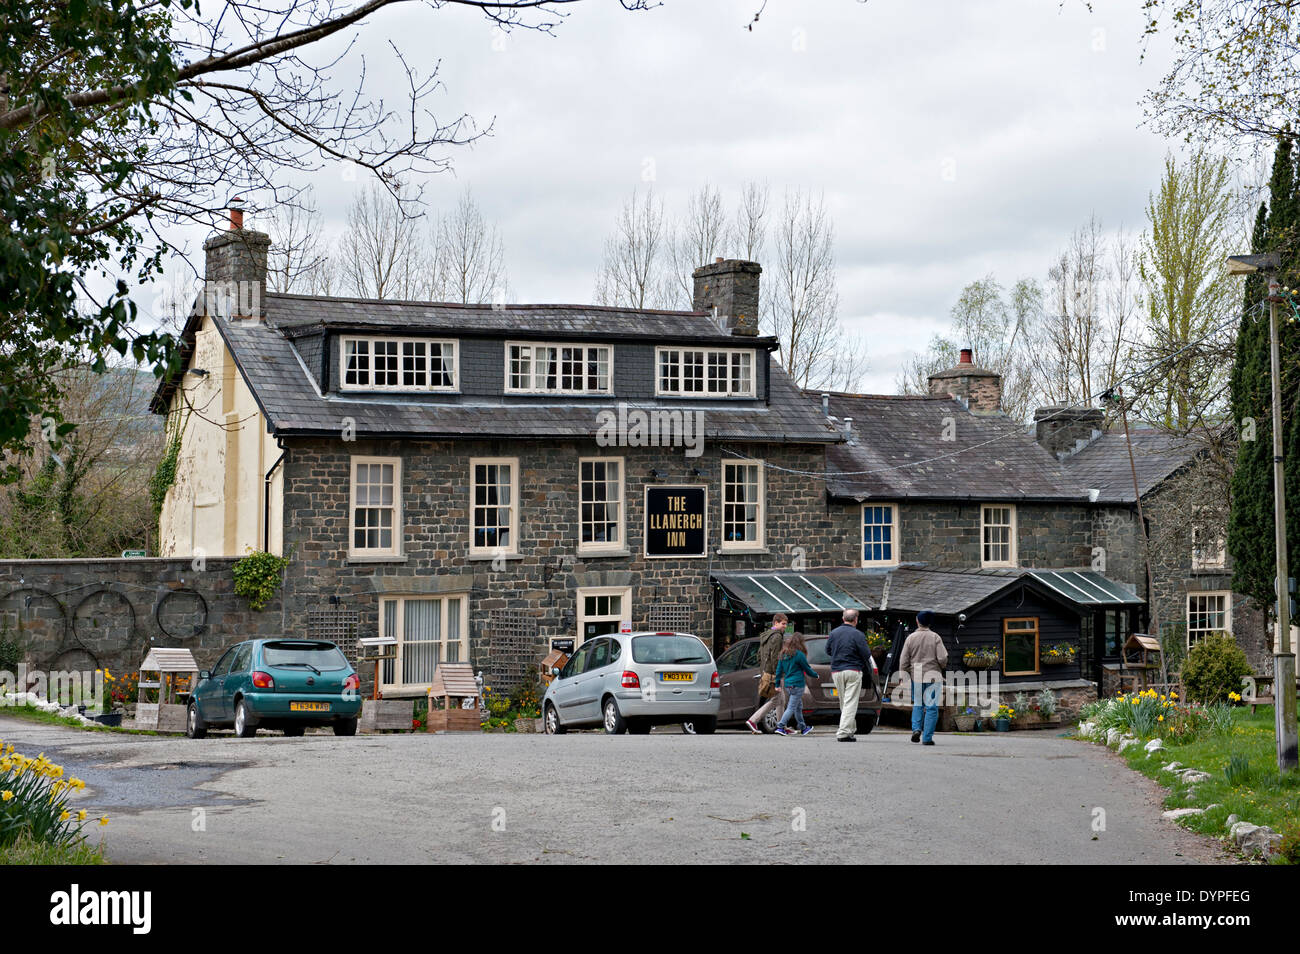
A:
x,y
1283,661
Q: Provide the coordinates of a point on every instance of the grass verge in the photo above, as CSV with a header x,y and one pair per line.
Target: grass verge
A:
x,y
1262,796
25,851
32,714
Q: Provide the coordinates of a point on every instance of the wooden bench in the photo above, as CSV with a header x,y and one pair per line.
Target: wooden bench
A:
x,y
1264,695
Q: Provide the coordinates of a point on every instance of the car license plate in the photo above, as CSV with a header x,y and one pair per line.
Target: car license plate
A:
x,y
309,707
679,677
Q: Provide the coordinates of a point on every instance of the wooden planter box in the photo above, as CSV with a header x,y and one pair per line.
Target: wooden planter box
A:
x,y
386,715
164,717
453,720
1034,722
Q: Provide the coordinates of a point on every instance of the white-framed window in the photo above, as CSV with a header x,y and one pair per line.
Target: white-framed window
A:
x,y
398,364
544,368
713,372
429,630
494,506
602,610
601,513
997,535
879,534
742,504
376,507
1208,613
1209,548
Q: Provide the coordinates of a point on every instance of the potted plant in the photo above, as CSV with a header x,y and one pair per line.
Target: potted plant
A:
x,y
967,719
984,658
1002,718
1046,705
878,643
1058,654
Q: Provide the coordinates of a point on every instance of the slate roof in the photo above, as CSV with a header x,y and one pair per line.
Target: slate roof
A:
x,y
897,452
293,404
302,314
1103,465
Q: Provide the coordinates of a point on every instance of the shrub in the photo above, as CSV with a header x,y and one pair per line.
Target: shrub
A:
x,y
1214,668
1046,703
257,577
34,802
11,649
1289,850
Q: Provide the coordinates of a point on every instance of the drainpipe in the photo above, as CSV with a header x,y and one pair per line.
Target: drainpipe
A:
x,y
266,498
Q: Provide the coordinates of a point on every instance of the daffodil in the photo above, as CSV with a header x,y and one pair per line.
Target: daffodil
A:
x,y
104,820
81,815
6,795
65,815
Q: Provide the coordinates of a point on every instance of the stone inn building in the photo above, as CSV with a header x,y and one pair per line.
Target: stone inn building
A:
x,y
483,483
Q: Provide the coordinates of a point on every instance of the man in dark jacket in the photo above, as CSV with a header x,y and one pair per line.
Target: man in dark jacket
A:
x,y
769,649
850,662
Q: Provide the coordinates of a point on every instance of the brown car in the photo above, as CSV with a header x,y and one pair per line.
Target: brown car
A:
x,y
739,675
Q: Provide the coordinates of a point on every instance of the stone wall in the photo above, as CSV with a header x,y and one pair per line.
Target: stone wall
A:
x,y
948,534
91,614
540,584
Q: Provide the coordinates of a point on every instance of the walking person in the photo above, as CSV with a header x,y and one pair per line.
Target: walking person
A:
x,y
769,648
792,671
850,661
923,659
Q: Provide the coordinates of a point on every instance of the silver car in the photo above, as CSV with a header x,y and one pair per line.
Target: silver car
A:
x,y
629,682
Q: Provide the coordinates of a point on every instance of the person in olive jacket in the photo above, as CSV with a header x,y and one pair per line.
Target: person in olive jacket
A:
x,y
923,660
769,648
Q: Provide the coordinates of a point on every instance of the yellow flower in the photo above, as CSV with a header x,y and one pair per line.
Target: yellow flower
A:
x,y
65,815
6,795
1160,718
81,815
104,820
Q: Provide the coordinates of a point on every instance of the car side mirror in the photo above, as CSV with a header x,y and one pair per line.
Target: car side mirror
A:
x,y
204,674
554,671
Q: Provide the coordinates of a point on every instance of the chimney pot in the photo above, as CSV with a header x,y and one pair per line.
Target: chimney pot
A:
x,y
718,259
965,356
236,213
826,404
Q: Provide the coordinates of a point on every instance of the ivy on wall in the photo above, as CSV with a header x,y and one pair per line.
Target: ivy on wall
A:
x,y
258,576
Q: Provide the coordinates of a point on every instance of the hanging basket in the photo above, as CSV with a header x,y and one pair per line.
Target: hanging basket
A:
x,y
1056,660
982,662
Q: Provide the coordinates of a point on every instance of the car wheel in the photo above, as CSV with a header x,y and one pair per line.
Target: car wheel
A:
x,y
343,727
706,725
551,723
771,719
615,724
195,727
294,730
245,726
638,726
866,724
688,728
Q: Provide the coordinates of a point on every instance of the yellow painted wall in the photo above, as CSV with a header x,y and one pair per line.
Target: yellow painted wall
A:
x,y
215,505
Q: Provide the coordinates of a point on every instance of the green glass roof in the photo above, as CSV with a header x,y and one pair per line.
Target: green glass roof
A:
x,y
793,593
1086,588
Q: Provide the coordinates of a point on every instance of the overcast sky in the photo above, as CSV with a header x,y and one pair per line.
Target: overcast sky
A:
x,y
951,139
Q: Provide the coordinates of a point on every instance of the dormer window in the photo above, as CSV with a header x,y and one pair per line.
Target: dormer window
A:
x,y
543,368
397,364
714,372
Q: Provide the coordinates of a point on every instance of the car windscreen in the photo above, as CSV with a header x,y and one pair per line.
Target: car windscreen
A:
x,y
817,655
320,656
669,648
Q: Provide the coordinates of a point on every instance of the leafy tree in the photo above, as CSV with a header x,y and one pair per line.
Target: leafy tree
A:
x,y
1250,524
995,326
1188,292
121,117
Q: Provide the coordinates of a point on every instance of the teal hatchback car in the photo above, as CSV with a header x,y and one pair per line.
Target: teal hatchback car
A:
x,y
287,684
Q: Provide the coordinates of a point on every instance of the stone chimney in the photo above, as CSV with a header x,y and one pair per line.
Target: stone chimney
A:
x,y
977,388
1065,430
235,268
729,289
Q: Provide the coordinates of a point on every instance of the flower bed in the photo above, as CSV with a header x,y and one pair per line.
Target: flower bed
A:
x,y
34,802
